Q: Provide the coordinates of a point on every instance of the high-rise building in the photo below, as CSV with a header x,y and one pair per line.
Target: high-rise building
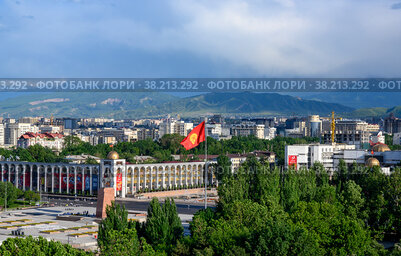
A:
x,y
350,132
392,124
14,130
1,134
171,126
314,126
247,129
70,123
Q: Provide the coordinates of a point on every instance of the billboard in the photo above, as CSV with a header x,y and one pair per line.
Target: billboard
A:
x,y
94,182
119,181
292,161
87,182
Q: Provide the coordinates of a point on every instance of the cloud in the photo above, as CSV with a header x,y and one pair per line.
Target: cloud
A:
x,y
210,38
396,6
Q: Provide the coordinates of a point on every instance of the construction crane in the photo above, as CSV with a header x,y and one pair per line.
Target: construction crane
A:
x,y
332,125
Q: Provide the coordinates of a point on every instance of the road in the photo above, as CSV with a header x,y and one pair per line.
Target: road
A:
x,y
131,205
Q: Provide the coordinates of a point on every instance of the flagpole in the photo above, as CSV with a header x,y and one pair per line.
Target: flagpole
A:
x,y
206,167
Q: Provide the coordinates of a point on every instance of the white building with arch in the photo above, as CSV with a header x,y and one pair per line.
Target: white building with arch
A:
x,y
87,179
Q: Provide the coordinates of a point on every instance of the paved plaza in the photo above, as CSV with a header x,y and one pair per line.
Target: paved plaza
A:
x,y
50,223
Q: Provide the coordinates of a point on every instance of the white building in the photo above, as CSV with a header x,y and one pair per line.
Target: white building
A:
x,y
314,126
329,155
270,133
397,138
172,126
214,131
50,128
306,155
54,141
1,134
246,129
14,130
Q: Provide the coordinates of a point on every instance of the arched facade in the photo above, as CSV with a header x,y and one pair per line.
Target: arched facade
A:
x,y
52,177
86,179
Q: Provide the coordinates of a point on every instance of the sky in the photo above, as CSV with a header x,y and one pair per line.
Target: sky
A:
x,y
188,38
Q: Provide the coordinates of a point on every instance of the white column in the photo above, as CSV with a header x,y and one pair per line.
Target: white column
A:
x,y
132,180
38,179
150,179
138,179
167,173
169,177
2,172
9,173
60,178
68,179
53,179
23,177
83,181
202,174
157,177
180,176
75,180
144,178
16,176
174,176
163,178
191,175
30,177
114,174
186,177
45,189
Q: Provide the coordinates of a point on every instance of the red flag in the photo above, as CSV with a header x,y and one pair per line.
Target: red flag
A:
x,y
196,136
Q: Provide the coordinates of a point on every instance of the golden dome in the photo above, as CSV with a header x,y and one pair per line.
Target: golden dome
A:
x,y
380,148
371,162
112,155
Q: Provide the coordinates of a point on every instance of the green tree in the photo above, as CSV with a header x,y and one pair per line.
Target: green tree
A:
x,y
156,227
12,193
374,185
171,142
31,196
123,242
222,168
336,234
175,230
291,193
117,219
394,199
199,227
90,160
163,226
72,141
351,198
37,246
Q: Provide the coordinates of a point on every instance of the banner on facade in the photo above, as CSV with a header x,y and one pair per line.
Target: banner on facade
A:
x,y
119,181
292,161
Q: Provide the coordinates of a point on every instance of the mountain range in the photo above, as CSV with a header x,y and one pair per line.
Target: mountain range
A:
x,y
140,105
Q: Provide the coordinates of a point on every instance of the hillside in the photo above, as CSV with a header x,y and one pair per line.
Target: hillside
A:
x,y
136,105
251,103
357,99
375,112
96,104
